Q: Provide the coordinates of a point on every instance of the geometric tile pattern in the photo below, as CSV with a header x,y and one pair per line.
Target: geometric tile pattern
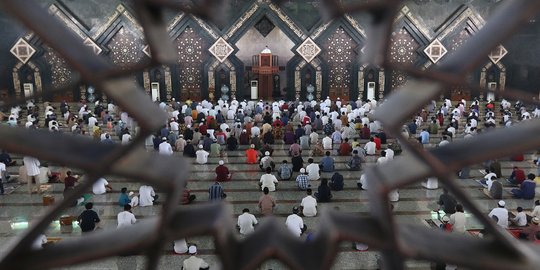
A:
x,y
60,71
435,51
308,50
22,50
339,54
125,48
403,47
190,58
221,49
497,54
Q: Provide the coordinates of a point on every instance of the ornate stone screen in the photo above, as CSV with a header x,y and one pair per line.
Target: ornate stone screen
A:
x,y
396,242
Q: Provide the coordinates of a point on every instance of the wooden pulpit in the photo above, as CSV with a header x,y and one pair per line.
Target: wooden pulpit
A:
x,y
265,65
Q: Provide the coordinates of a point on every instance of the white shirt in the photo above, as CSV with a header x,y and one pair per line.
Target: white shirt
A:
x,y
363,181
126,138
313,171
92,121
536,211
458,222
246,222
295,224
146,195
520,219
370,148
32,166
99,186
310,206
502,214
165,149
125,218
202,156
268,180
389,154
327,143
174,126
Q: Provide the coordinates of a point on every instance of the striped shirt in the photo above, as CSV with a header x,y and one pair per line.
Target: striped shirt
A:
x,y
216,192
302,181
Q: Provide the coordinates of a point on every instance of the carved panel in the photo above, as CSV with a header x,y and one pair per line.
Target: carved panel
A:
x,y
126,48
339,55
191,57
60,71
403,51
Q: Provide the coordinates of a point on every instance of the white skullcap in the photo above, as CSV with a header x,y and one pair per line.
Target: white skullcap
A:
x,y
252,146
302,170
266,153
221,162
131,193
445,219
502,203
164,138
192,250
200,146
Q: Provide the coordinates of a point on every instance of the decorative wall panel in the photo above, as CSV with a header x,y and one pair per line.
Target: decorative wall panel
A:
x,y
60,71
191,56
126,48
339,55
402,51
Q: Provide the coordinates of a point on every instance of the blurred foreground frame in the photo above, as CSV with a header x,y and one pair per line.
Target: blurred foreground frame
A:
x,y
396,242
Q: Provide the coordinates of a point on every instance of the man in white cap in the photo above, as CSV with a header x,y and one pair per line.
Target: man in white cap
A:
x,y
302,180
267,162
193,262
532,230
202,156
222,172
180,143
309,205
501,213
165,148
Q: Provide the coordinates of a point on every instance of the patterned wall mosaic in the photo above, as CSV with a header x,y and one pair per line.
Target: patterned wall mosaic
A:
x,y
126,48
339,54
402,51
191,56
459,39
60,71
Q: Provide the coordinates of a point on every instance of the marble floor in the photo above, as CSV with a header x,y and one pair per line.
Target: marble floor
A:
x,y
415,205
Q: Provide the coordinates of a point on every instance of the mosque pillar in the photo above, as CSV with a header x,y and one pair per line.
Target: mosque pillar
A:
x,y
361,82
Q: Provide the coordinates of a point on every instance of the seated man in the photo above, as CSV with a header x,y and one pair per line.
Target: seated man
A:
x,y
222,172
193,262
327,163
336,182
355,162
302,180
285,171
345,148
520,218
494,189
267,162
517,177
526,189
268,180
101,186
251,155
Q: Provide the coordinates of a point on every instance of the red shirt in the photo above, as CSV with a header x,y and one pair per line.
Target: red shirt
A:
x,y
377,142
345,149
203,129
222,173
251,155
365,134
519,176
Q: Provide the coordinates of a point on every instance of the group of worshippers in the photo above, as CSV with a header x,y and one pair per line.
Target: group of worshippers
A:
x,y
203,129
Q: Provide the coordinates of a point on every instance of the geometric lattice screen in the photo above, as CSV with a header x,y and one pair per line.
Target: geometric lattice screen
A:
x,y
397,242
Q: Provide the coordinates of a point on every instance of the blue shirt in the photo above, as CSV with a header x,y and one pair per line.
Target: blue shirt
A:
x,y
124,199
327,164
302,181
424,135
216,192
